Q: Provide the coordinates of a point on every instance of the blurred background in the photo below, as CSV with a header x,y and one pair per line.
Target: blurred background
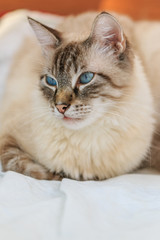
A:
x,y
137,9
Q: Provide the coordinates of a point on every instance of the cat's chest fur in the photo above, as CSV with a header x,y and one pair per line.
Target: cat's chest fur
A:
x,y
100,151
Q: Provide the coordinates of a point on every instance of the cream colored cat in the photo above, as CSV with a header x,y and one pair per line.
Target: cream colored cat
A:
x,y
86,106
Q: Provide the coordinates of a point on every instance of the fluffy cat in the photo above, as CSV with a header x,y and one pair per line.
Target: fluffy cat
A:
x,y
84,107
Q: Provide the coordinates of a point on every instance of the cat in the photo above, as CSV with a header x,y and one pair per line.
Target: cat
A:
x,y
81,101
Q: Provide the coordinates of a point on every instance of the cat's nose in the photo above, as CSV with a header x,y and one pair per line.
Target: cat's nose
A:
x,y
62,107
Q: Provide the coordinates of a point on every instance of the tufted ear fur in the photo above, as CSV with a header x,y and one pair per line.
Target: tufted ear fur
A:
x,y
47,37
107,33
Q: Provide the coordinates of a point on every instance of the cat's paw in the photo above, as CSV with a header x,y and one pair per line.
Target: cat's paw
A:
x,y
14,159
39,172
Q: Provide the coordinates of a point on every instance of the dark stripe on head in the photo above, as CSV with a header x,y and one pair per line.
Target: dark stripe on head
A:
x,y
110,81
66,58
92,91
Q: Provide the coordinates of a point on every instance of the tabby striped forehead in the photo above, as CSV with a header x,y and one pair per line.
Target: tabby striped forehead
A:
x,y
67,60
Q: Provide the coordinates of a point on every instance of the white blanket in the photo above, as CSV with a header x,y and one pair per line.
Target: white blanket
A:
x,y
126,207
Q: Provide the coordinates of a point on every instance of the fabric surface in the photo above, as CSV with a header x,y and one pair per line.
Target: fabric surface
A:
x,y
125,207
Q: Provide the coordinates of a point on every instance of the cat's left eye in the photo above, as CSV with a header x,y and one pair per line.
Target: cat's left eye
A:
x,y
86,77
51,81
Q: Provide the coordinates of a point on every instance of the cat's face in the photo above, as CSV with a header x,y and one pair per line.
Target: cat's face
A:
x,y
83,80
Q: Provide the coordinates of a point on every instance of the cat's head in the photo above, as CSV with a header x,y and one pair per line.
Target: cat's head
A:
x,y
84,79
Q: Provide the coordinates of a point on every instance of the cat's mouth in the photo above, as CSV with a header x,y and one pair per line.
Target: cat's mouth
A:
x,y
71,119
67,118
73,123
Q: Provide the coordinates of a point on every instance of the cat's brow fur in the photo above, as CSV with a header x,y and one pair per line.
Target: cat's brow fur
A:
x,y
67,57
116,112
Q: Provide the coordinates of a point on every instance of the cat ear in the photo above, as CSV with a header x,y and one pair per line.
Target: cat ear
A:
x,y
107,33
48,37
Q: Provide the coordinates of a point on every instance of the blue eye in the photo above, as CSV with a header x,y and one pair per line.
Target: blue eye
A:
x,y
51,81
86,77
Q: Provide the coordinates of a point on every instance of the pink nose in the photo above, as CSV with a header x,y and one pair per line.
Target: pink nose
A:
x,y
62,107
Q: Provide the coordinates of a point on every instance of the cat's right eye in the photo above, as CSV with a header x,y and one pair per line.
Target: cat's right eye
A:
x,y
86,77
51,81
